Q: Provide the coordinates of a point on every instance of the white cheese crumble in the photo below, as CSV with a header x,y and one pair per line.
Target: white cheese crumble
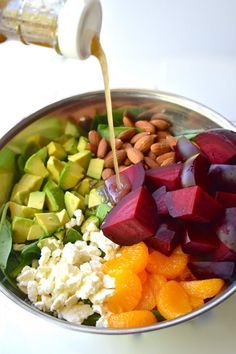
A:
x,y
69,274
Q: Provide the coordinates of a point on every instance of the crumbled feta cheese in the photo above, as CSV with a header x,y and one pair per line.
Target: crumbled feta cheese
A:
x,y
45,255
91,227
102,322
79,217
71,223
103,243
77,313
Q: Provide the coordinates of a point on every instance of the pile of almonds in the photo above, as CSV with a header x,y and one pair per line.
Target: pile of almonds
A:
x,y
154,145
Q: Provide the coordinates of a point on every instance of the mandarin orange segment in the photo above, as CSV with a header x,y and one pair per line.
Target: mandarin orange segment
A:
x,y
127,292
196,302
170,267
203,288
150,291
143,276
186,275
173,301
133,257
131,319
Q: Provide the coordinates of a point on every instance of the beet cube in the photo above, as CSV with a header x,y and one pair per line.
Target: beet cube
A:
x,y
228,200
195,172
206,270
226,229
192,203
223,177
219,145
135,174
185,149
222,253
168,176
160,198
133,219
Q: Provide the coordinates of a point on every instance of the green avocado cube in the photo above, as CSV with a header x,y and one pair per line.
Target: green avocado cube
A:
x,y
59,235
55,199
91,220
7,181
102,211
55,168
21,210
49,222
35,163
28,183
57,150
84,186
71,129
82,158
70,146
35,232
71,174
73,202
72,236
95,168
36,200
95,198
63,217
20,229
49,185
82,144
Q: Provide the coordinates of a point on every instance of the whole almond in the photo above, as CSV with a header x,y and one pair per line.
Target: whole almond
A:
x,y
134,155
160,159
168,162
109,161
103,148
160,148
152,155
145,126
126,146
94,137
127,162
118,143
144,143
161,116
139,136
160,124
92,148
162,134
127,121
127,134
150,162
172,141
107,172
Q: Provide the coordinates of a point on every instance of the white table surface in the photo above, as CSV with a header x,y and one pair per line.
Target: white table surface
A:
x,y
183,46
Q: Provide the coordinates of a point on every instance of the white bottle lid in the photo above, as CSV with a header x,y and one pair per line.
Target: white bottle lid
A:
x,y
78,22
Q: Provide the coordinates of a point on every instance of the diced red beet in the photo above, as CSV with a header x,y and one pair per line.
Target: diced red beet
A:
x,y
133,219
167,237
168,176
206,270
199,239
226,229
195,172
219,145
185,149
223,177
194,204
222,253
135,174
116,194
160,198
228,200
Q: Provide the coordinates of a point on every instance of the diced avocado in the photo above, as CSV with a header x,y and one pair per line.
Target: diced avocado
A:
x,y
95,168
20,229
63,217
82,144
57,150
59,235
95,198
71,129
35,232
86,199
91,220
84,186
7,159
42,153
71,174
38,140
72,203
50,242
82,158
55,199
49,222
49,185
21,210
102,211
7,181
35,166
70,146
55,168
36,200
28,183
72,236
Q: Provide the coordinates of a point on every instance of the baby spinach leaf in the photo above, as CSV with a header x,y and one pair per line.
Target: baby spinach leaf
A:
x,y
159,317
91,320
190,134
103,130
31,251
5,239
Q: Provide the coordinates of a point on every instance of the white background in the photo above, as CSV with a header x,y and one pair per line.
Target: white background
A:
x,y
183,46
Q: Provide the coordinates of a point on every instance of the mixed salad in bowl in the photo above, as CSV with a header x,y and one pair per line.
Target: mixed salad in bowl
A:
x,y
88,252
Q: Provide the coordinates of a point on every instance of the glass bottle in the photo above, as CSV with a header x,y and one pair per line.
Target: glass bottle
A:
x,y
67,26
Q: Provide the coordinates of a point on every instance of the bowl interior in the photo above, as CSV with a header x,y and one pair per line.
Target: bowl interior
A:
x,y
49,122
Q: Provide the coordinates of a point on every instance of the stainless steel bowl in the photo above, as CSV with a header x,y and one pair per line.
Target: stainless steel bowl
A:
x,y
49,122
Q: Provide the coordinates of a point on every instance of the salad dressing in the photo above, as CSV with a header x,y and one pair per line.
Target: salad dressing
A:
x,y
98,52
